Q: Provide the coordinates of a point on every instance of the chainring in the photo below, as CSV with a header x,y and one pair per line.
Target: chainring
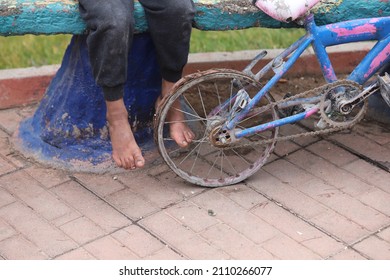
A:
x,y
328,105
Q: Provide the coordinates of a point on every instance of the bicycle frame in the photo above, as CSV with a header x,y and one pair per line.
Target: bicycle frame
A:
x,y
320,37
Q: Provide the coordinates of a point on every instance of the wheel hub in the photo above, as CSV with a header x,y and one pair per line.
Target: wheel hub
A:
x,y
219,137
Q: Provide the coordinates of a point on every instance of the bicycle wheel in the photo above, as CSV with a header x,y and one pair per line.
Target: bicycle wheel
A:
x,y
205,101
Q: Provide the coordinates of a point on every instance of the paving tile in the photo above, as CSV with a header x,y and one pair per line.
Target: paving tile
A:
x,y
287,172
182,239
4,142
243,196
317,188
68,217
329,172
26,111
234,243
77,254
138,241
9,120
374,131
374,248
164,254
43,212
46,237
6,230
355,210
377,199
91,206
102,185
132,204
370,174
287,195
192,216
178,185
285,248
340,227
347,254
158,169
332,153
235,216
48,177
19,248
21,185
107,248
385,234
295,129
152,190
298,230
5,167
5,197
82,230
285,148
8,153
371,149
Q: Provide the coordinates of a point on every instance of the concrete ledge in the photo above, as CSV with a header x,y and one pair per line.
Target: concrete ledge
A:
x,y
25,86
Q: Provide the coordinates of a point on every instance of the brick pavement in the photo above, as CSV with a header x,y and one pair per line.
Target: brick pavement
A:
x,y
318,198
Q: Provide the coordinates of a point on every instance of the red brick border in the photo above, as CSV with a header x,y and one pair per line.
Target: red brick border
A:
x,y
20,87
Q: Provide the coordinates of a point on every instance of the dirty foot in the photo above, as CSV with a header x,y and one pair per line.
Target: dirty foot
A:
x,y
178,129
125,150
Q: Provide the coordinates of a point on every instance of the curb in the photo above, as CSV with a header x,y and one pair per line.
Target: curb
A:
x,y
24,86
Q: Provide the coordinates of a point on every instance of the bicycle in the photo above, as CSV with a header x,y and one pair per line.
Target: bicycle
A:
x,y
236,120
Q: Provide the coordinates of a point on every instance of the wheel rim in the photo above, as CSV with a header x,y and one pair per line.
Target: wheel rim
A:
x,y
203,163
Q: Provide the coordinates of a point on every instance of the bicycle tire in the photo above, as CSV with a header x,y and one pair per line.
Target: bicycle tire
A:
x,y
202,163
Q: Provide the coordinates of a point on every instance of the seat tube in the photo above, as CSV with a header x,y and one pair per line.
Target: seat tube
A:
x,y
320,50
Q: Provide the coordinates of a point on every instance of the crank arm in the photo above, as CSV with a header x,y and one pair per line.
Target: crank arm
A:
x,y
345,107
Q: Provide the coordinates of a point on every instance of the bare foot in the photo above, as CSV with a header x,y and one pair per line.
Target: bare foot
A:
x,y
178,129
125,150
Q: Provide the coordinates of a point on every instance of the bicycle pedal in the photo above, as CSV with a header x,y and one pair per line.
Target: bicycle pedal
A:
x,y
385,87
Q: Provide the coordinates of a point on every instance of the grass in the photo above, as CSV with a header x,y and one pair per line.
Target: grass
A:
x,y
247,39
30,50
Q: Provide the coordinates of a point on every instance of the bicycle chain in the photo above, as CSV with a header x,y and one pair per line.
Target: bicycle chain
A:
x,y
321,90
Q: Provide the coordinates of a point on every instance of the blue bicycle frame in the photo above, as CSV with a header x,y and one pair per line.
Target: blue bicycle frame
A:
x,y
320,37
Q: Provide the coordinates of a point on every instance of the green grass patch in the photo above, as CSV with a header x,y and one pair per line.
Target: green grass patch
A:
x,y
246,39
31,50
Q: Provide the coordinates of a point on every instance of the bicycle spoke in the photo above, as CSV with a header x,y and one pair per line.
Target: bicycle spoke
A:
x,y
239,156
208,99
218,96
192,108
201,100
197,156
189,114
211,168
228,160
193,141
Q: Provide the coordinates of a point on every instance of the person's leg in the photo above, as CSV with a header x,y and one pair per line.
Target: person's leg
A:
x,y
170,24
111,27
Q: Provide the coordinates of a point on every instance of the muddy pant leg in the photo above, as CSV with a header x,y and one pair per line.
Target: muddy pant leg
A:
x,y
111,27
170,24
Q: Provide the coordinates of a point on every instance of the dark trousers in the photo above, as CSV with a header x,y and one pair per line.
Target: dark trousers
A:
x,y
111,28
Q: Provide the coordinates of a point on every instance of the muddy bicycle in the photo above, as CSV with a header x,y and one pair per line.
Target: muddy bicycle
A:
x,y
236,119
